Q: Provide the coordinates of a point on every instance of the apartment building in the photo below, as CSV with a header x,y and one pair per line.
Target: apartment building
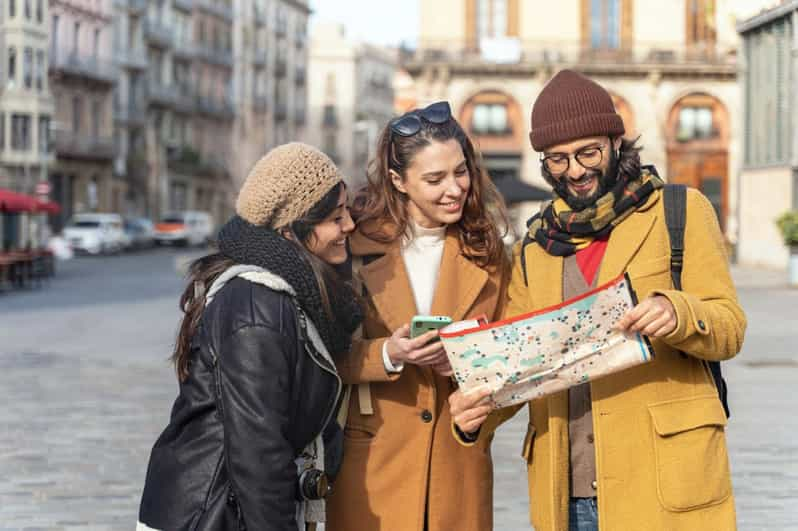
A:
x,y
351,98
26,102
82,79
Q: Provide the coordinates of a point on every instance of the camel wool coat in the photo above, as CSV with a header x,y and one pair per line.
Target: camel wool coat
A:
x,y
659,428
401,460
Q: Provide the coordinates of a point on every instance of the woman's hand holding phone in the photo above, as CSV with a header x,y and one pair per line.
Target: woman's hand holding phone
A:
x,y
423,350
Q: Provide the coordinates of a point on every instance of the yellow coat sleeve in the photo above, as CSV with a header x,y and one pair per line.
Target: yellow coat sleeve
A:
x,y
710,322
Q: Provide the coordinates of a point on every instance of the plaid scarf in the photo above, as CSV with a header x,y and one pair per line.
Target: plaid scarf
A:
x,y
562,232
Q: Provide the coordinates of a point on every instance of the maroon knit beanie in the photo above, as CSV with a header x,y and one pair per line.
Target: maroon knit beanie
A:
x,y
570,107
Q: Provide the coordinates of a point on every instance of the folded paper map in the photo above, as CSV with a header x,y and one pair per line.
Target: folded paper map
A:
x,y
532,355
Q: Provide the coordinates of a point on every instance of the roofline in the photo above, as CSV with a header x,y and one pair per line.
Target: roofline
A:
x,y
767,16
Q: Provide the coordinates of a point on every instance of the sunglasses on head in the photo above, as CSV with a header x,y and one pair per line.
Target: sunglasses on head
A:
x,y
410,123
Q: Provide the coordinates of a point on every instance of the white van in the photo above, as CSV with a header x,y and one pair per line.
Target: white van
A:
x,y
189,227
96,233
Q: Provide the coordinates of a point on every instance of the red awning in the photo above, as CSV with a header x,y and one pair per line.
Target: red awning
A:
x,y
14,202
50,207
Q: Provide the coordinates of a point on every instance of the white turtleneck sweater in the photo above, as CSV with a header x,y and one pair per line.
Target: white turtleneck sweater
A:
x,y
422,250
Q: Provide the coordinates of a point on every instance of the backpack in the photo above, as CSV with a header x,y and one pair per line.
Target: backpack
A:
x,y
675,197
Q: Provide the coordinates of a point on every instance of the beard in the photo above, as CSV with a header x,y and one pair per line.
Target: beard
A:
x,y
606,181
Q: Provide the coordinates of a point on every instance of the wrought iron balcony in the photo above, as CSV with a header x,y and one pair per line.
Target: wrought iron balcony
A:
x,y
132,58
214,108
136,7
216,7
158,33
71,145
260,103
259,59
134,114
83,66
165,95
280,111
185,5
215,55
301,76
260,18
184,48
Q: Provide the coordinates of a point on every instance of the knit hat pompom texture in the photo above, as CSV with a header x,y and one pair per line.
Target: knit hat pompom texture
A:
x,y
285,184
570,107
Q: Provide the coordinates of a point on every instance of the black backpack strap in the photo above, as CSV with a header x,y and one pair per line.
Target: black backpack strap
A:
x,y
527,240
675,197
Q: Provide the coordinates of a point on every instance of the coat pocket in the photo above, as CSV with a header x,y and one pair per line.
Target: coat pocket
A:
x,y
692,464
358,434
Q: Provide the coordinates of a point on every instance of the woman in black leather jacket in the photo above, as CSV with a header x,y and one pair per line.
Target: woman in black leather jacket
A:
x,y
252,436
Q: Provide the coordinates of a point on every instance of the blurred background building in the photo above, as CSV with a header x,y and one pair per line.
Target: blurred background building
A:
x,y
351,98
671,67
144,107
769,180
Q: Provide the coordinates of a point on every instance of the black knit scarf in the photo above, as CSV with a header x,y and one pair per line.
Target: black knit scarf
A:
x,y
562,232
249,244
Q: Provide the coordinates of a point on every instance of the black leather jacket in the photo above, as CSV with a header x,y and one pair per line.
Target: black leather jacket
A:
x,y
255,397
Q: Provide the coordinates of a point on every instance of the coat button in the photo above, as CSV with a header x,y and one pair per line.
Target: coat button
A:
x,y
590,438
426,416
594,485
702,325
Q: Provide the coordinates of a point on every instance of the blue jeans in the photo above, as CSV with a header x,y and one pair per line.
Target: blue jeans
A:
x,y
583,514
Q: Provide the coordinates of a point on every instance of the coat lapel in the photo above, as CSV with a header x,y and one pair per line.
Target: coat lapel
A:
x,y
389,288
626,239
459,281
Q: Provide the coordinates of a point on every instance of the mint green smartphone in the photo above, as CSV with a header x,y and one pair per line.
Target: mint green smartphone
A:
x,y
421,324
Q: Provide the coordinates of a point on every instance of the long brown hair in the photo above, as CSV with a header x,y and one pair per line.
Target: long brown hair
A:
x,y
205,270
484,219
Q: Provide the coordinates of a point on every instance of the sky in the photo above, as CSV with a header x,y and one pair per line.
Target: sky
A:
x,y
385,22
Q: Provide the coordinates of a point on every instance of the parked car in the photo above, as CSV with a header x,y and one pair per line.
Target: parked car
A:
x,y
140,233
184,228
95,233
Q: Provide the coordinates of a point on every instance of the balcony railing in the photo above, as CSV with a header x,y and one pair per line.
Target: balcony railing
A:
x,y
216,7
260,18
300,117
280,111
84,66
73,145
185,5
132,115
260,103
137,6
184,48
259,59
161,94
133,58
215,108
158,33
215,55
515,54
280,67
300,76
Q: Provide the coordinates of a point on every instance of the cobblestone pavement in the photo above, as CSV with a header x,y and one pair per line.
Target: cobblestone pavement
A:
x,y
87,387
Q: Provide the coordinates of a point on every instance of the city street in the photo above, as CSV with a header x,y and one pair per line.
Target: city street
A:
x,y
86,386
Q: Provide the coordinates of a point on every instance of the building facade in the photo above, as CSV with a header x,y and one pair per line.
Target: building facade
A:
x,y
82,79
26,102
769,179
271,78
671,68
351,98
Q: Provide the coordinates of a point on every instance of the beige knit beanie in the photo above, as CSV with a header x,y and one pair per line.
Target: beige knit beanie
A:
x,y
285,184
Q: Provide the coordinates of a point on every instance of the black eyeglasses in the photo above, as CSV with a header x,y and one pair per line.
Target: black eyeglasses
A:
x,y
410,123
588,157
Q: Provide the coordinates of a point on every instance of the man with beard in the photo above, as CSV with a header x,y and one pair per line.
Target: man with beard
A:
x,y
643,448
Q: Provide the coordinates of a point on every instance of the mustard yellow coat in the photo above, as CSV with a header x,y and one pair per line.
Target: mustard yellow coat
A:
x,y
661,454
401,461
